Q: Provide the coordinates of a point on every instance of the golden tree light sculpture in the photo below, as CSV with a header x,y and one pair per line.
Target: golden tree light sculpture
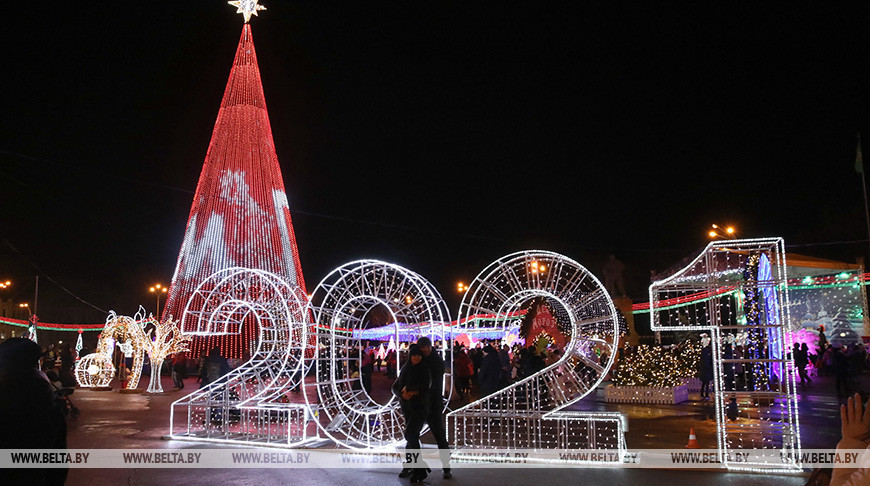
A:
x,y
162,341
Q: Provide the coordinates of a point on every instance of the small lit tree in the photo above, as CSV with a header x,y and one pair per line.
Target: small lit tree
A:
x,y
164,340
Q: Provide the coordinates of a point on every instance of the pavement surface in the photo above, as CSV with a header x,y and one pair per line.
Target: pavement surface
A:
x,y
110,419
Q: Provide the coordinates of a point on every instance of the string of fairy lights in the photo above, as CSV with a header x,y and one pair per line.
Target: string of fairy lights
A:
x,y
658,366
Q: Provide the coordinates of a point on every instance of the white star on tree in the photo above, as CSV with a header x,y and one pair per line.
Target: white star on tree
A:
x,y
247,8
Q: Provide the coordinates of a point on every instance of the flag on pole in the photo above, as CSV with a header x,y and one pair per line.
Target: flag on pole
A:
x,y
859,160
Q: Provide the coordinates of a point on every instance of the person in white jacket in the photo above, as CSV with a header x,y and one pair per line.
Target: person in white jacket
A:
x,y
855,422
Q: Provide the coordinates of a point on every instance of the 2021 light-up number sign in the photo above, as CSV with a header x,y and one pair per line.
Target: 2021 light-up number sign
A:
x,y
740,294
245,405
351,301
530,413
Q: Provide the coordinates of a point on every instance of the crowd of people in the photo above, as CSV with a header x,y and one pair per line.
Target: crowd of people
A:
x,y
488,367
846,363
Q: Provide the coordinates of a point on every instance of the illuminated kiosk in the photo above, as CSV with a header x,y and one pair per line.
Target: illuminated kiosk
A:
x,y
244,406
739,295
529,414
343,304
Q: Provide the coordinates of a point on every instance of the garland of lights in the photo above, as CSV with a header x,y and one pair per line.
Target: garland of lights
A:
x,y
657,366
841,280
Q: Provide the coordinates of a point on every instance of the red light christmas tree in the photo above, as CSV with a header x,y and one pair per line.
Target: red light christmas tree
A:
x,y
240,215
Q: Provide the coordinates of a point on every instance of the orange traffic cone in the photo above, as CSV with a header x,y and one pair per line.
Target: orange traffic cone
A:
x,y
693,441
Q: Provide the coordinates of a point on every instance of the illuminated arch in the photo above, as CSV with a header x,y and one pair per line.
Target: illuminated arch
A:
x,y
124,331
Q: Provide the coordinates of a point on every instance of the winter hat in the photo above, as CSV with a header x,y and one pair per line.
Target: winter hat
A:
x,y
19,354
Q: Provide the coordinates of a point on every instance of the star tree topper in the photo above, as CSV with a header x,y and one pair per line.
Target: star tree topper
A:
x,y
247,8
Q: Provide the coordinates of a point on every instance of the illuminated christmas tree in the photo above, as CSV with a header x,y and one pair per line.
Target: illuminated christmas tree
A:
x,y
240,215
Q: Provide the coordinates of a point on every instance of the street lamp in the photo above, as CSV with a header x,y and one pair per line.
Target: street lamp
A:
x,y
723,232
5,284
537,267
461,287
33,320
158,290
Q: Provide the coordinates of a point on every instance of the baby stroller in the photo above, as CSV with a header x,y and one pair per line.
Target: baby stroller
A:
x,y
61,395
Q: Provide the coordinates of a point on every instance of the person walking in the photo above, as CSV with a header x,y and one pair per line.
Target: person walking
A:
x,y
490,372
801,360
413,389
214,367
705,371
435,418
367,367
504,358
179,370
462,370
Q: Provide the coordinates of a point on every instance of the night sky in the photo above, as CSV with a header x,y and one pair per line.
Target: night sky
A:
x,y
436,135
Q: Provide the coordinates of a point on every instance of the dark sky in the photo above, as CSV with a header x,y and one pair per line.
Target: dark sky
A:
x,y
438,135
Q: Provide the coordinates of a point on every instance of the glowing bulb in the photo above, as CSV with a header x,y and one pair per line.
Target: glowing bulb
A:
x,y
712,234
730,230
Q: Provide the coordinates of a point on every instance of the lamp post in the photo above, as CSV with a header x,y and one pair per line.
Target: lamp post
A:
x,y
461,287
6,284
158,290
722,232
31,317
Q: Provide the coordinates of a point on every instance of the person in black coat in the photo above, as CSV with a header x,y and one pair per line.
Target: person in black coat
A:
x,y
490,372
705,370
435,418
413,388
214,368
30,416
